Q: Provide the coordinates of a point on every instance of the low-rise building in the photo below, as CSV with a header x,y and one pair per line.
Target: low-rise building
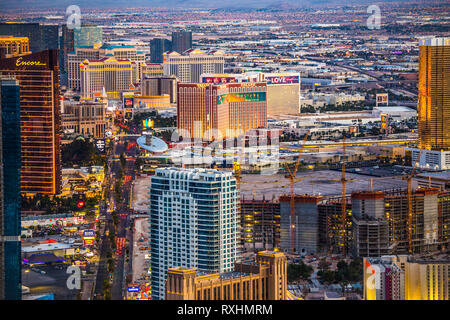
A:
x,y
263,279
84,118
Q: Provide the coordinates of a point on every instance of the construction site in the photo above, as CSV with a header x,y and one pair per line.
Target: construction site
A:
x,y
320,212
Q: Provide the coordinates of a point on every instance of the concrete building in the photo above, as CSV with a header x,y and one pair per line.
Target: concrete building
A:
x,y
383,279
426,279
306,223
331,239
157,48
370,226
260,222
283,89
194,223
152,70
84,118
439,180
406,278
181,41
160,86
110,74
13,46
263,279
189,65
207,111
93,53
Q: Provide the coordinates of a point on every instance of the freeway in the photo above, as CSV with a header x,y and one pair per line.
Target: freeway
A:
x,y
290,147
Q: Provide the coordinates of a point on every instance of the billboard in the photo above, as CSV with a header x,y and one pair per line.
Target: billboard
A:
x,y
88,237
382,98
133,289
241,97
100,144
283,79
88,242
219,79
89,234
128,114
128,102
147,123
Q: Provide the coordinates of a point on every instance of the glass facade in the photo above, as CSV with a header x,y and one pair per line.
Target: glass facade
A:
x,y
10,252
38,76
157,48
434,94
181,41
193,219
87,36
42,37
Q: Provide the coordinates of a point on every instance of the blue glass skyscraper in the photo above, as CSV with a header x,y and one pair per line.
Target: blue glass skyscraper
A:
x,y
10,160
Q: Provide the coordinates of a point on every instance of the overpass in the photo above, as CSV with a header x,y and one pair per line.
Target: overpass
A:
x,y
349,143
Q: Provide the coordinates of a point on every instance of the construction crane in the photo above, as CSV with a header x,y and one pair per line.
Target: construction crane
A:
x,y
344,203
408,178
292,175
237,173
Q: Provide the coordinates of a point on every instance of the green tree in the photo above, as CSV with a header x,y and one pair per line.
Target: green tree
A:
x,y
299,271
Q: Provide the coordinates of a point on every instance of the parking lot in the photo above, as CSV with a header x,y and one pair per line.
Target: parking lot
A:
x,y
48,279
325,182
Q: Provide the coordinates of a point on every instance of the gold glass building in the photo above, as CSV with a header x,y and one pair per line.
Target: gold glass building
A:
x,y
434,94
38,76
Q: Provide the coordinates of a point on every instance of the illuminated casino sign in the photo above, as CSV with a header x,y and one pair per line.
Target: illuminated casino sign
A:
x,y
88,237
283,79
241,97
20,62
128,102
219,79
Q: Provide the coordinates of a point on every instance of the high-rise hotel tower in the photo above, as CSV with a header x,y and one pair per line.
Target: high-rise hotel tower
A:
x,y
216,111
434,104
10,252
193,218
38,76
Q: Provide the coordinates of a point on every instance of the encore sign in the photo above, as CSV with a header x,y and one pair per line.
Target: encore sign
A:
x,y
20,62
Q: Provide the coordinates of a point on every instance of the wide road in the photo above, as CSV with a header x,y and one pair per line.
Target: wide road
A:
x,y
126,145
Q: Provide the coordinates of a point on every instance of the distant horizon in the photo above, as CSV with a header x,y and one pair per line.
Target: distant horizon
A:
x,y
195,4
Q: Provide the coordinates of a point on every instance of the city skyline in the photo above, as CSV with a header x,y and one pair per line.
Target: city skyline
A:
x,y
221,150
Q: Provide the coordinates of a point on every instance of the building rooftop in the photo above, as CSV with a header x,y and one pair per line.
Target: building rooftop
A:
x,y
444,175
45,247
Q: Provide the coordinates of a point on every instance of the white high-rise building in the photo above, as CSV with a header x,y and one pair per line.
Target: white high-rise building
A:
x,y
193,222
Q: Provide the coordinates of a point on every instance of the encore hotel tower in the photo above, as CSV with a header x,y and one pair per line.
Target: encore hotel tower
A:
x,y
38,76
